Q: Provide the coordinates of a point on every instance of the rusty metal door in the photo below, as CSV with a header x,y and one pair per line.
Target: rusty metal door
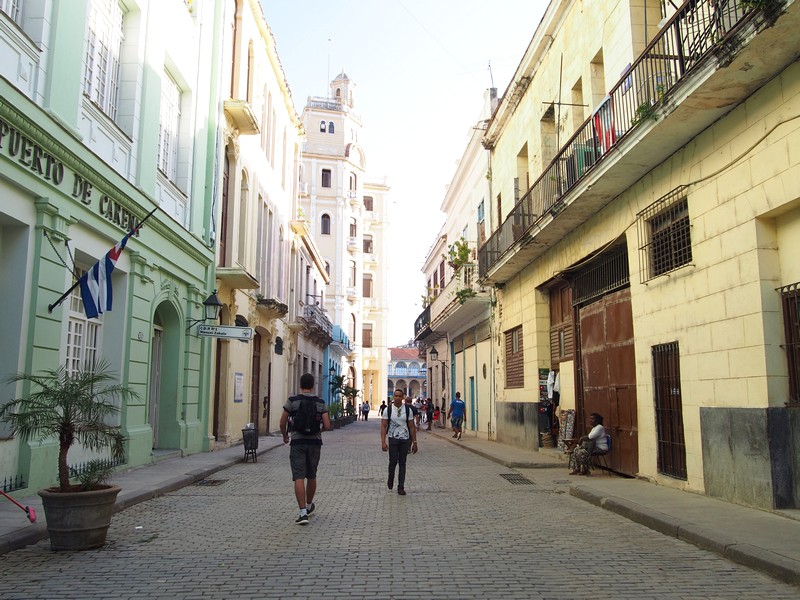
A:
x,y
608,371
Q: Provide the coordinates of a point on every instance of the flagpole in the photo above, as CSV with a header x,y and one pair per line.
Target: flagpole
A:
x,y
64,296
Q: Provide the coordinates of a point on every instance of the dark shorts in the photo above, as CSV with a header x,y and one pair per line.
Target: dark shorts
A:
x,y
304,459
457,422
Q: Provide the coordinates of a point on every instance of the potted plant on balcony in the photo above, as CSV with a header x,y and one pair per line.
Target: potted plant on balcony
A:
x,y
458,254
73,407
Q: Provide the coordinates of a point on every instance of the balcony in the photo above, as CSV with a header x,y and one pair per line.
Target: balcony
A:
x,y
242,116
302,188
353,245
707,59
352,293
463,301
317,326
270,308
237,278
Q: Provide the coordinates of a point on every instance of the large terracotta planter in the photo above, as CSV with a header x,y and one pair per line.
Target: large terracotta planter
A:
x,y
78,520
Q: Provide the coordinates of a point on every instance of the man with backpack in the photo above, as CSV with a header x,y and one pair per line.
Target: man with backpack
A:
x,y
397,424
308,415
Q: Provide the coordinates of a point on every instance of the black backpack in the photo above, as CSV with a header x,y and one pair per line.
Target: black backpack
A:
x,y
307,420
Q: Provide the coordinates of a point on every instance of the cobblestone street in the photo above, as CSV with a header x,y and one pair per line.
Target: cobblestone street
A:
x,y
463,531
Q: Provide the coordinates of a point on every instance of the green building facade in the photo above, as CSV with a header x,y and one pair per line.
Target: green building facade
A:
x,y
109,110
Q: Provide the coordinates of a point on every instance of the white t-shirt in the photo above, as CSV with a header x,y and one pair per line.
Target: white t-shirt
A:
x,y
598,434
398,425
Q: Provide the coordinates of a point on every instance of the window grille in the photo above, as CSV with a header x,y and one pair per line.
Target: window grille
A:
x,y
169,124
326,178
604,274
790,300
104,37
665,241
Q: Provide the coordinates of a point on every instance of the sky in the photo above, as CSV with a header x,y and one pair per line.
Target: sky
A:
x,y
421,68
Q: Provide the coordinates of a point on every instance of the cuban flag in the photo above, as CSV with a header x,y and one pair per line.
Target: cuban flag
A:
x,y
95,284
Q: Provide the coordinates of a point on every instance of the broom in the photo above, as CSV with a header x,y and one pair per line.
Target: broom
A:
x,y
28,510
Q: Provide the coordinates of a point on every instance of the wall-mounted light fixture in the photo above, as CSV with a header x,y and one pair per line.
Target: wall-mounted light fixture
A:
x,y
211,308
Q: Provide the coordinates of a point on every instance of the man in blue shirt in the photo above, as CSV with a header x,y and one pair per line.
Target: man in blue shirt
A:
x,y
457,414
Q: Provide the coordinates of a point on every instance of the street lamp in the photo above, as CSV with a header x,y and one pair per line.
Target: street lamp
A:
x,y
434,356
211,308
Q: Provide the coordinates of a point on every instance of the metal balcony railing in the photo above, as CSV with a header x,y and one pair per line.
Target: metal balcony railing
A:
x,y
692,33
316,319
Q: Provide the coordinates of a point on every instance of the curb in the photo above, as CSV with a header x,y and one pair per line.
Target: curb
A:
x,y
779,567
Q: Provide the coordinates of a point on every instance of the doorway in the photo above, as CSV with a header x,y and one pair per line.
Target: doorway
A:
x,y
155,381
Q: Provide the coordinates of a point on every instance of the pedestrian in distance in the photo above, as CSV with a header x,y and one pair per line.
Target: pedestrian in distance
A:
x,y
365,410
458,415
398,437
308,416
382,408
429,414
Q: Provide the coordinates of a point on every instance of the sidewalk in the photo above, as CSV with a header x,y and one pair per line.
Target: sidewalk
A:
x,y
762,540
138,484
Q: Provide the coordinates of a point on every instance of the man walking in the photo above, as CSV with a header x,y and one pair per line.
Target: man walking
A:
x,y
458,415
397,424
309,416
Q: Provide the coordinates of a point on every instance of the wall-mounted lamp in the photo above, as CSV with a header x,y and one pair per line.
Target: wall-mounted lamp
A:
x,y
434,356
211,306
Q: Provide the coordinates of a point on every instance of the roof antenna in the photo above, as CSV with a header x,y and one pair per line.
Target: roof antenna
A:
x,y
328,83
491,77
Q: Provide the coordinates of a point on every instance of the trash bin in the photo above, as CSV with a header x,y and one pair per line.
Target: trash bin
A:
x,y
250,439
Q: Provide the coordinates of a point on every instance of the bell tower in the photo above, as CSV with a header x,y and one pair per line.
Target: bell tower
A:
x,y
343,90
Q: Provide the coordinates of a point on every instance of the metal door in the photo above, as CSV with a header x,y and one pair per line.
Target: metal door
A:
x,y
255,382
608,372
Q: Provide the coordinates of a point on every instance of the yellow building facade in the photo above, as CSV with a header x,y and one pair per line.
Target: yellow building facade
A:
x,y
645,179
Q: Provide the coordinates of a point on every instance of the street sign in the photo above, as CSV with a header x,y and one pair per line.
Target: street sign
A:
x,y
222,331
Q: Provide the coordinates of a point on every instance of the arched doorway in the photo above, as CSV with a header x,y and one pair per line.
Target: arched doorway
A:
x,y
163,410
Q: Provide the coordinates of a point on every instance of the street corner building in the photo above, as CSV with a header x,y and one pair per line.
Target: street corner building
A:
x,y
108,111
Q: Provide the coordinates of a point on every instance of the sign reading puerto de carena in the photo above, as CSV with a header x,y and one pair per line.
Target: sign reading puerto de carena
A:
x,y
227,332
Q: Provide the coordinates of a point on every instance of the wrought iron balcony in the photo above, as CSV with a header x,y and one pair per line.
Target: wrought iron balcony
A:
x,y
685,67
318,326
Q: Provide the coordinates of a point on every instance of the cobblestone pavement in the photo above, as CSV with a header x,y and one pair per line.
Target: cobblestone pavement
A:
x,y
463,531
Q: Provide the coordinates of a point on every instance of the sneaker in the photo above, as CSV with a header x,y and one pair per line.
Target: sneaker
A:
x,y
390,482
455,435
302,520
311,508
401,491
459,435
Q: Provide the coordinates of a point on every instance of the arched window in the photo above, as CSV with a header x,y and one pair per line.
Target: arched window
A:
x,y
322,126
325,224
338,92
330,127
353,327
328,268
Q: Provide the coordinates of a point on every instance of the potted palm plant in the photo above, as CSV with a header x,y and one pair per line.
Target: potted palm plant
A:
x,y
73,407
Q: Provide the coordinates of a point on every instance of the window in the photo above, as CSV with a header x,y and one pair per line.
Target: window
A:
x,y
101,62
328,268
664,235
790,300
368,247
330,127
366,335
561,330
368,202
515,374
13,8
353,228
83,335
367,285
322,126
441,272
326,178
169,122
325,224
352,273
